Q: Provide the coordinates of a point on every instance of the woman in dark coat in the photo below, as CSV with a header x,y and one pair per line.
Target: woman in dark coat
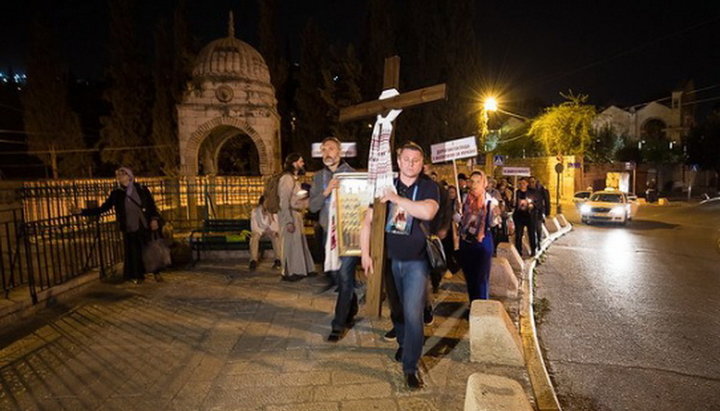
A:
x,y
136,215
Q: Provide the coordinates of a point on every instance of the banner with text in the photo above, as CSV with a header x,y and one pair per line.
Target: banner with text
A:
x,y
454,149
516,171
347,150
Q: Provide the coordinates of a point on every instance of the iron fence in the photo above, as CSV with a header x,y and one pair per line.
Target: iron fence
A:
x,y
44,253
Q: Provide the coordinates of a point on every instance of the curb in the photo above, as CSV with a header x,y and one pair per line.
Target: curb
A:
x,y
543,390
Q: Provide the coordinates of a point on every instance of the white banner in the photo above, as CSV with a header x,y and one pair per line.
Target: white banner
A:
x,y
346,150
516,171
454,149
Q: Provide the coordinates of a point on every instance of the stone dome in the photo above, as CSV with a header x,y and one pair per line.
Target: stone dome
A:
x,y
232,58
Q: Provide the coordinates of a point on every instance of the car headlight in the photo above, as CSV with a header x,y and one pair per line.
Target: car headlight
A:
x,y
617,211
585,208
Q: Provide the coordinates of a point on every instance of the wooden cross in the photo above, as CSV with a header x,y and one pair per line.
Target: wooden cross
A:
x,y
391,80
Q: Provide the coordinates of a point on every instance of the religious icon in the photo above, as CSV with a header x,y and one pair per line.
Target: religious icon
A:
x,y
353,198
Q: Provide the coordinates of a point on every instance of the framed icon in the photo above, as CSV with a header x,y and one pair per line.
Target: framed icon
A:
x,y
353,198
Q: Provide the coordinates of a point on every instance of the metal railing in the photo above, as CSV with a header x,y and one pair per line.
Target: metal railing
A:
x,y
45,253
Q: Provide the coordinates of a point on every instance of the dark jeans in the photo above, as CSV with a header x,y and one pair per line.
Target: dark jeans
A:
x,y
476,259
133,267
346,306
411,279
521,223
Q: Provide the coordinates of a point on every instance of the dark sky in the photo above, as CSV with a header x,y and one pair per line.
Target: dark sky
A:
x,y
625,52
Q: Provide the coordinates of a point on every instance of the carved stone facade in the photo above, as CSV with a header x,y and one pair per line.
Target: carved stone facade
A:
x,y
653,120
230,95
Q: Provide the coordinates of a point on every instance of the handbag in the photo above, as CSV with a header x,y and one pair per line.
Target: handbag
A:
x,y
156,254
435,251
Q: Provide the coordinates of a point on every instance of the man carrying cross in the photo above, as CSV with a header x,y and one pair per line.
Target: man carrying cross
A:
x,y
413,201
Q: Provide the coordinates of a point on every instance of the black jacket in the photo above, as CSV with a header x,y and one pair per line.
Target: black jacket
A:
x,y
116,200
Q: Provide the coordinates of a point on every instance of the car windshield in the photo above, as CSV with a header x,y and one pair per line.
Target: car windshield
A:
x,y
582,194
607,198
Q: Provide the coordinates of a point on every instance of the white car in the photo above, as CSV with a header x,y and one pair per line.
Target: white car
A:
x,y
607,206
581,197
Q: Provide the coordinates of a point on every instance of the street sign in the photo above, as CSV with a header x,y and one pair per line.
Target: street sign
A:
x,y
454,149
346,150
559,168
629,165
573,165
516,171
498,160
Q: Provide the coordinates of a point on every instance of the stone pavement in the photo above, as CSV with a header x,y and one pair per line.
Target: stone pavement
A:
x,y
218,337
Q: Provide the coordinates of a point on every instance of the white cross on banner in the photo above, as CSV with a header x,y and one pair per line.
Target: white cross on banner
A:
x,y
380,173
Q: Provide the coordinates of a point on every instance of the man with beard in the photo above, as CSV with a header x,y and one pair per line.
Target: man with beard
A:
x,y
346,306
297,262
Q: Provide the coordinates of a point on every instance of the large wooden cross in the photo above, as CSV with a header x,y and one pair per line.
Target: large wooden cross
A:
x,y
391,80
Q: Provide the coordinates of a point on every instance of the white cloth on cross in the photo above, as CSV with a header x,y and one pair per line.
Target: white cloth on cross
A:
x,y
380,173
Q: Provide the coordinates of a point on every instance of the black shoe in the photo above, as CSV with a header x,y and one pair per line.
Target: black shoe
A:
x,y
253,265
336,335
428,317
292,277
277,264
414,381
390,335
398,355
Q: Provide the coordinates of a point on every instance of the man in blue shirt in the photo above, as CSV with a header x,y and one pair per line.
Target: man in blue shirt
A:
x,y
346,306
416,202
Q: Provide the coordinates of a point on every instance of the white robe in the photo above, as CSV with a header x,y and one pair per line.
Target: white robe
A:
x,y
295,251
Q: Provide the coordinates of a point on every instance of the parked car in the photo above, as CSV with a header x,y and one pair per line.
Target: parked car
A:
x,y
606,206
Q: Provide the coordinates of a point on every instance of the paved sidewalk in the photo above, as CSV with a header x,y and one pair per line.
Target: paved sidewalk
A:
x,y
218,337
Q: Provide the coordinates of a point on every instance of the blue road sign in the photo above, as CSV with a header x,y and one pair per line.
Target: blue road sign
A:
x,y
498,160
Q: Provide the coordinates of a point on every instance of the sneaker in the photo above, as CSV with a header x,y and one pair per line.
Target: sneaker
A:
x,y
336,335
390,335
277,264
253,265
428,317
414,381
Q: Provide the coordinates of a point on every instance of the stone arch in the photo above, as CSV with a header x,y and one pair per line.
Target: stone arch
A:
x,y
203,131
654,128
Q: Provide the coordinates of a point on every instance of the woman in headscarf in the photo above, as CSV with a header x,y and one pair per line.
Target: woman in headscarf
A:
x,y
476,242
136,215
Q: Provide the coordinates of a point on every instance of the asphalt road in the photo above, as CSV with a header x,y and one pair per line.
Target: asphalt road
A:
x,y
633,319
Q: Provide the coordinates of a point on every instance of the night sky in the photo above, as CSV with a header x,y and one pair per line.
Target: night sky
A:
x,y
621,53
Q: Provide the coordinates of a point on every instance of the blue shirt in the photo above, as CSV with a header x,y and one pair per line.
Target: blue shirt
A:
x,y
412,247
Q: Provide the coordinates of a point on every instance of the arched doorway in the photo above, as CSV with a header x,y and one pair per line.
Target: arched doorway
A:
x,y
238,157
228,151
654,130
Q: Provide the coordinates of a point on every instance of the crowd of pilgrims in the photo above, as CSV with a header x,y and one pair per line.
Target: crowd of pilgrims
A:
x,y
470,219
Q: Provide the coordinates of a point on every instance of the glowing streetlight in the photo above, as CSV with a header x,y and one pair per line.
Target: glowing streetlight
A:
x,y
490,104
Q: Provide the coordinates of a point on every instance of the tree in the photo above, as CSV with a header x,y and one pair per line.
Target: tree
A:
x,y
312,110
341,89
703,143
128,125
50,123
604,145
566,128
170,74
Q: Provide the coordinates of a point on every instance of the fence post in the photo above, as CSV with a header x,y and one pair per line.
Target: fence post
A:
x,y
98,240
23,227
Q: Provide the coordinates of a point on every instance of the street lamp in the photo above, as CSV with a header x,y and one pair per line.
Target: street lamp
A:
x,y
489,104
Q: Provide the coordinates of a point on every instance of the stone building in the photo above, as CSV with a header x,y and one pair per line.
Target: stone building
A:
x,y
228,117
650,121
